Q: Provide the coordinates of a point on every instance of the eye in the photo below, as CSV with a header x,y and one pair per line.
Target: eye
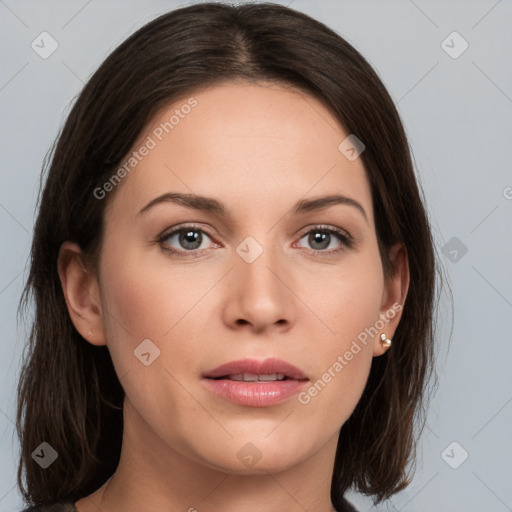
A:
x,y
193,240
188,239
321,238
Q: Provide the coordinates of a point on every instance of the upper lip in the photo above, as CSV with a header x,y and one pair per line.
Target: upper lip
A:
x,y
264,367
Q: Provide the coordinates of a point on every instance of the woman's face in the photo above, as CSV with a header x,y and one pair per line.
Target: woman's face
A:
x,y
258,272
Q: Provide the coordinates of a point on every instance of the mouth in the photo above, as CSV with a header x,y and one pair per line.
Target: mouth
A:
x,y
254,383
251,370
253,377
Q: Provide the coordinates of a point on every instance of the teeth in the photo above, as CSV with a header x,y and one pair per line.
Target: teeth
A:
x,y
272,376
252,377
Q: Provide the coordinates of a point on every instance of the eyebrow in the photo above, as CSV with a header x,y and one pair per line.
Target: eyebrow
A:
x,y
211,205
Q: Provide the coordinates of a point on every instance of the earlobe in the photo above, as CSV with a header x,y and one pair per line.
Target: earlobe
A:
x,y
393,298
81,292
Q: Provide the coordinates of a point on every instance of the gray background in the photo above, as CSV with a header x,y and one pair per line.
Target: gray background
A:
x,y
458,116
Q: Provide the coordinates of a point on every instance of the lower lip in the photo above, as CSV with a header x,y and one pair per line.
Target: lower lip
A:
x,y
255,394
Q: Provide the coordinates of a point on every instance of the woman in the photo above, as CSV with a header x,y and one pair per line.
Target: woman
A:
x,y
233,275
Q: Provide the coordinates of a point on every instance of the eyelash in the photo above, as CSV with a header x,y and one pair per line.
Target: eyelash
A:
x,y
347,242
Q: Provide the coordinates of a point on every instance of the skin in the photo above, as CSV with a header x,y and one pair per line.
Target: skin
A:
x,y
258,149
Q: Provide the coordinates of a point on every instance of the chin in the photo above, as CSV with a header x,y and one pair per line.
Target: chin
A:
x,y
245,457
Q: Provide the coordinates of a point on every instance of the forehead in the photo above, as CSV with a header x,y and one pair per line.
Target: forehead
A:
x,y
244,144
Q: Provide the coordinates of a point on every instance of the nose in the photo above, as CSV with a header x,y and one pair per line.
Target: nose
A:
x,y
260,295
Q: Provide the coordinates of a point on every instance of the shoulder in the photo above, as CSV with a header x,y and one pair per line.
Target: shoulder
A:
x,y
54,507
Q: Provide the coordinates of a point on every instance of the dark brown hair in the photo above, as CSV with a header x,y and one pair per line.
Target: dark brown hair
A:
x,y
69,394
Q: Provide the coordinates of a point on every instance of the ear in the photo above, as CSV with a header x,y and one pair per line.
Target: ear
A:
x,y
393,296
81,290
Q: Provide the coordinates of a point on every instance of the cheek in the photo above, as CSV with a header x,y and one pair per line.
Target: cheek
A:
x,y
342,363
132,305
145,302
147,298
351,299
145,295
350,307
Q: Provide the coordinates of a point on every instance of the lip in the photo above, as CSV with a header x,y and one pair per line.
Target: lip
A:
x,y
255,393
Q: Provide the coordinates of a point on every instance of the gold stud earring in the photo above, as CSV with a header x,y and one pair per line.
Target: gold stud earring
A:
x,y
386,342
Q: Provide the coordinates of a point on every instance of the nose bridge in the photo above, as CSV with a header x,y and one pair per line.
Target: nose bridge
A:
x,y
261,297
259,261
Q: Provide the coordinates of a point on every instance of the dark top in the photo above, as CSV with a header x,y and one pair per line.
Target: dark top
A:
x,y
54,507
70,507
